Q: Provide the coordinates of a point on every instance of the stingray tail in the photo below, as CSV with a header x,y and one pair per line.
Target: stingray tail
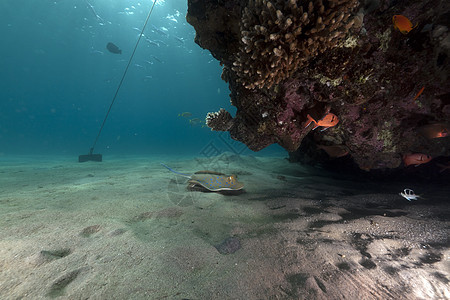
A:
x,y
172,170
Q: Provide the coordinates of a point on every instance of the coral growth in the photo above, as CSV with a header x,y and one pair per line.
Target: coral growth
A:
x,y
278,37
219,121
284,60
289,118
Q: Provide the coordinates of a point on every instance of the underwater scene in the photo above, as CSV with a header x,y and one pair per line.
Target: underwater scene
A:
x,y
225,149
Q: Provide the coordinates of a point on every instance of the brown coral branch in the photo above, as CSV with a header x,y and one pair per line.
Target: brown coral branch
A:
x,y
219,121
279,37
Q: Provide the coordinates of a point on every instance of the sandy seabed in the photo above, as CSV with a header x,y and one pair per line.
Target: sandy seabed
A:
x,y
127,228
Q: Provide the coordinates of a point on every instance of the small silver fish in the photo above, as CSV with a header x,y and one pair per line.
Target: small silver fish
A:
x,y
154,43
179,39
409,195
91,8
157,59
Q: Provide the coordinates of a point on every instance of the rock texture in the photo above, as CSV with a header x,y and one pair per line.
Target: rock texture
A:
x,y
284,60
279,37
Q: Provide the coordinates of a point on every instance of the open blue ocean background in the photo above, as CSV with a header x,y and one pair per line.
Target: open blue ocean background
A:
x,y
58,80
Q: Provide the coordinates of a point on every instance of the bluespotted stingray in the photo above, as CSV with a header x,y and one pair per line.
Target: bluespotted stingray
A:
x,y
210,181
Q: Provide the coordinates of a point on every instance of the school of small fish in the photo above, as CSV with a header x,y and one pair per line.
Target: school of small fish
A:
x,y
192,121
166,34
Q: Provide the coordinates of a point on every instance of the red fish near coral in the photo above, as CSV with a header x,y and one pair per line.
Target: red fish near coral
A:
x,y
416,159
442,133
434,131
328,121
402,23
419,93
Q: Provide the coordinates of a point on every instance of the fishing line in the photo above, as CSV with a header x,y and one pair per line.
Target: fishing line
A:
x,y
123,77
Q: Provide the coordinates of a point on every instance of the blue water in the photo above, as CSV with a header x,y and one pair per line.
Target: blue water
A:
x,y
58,80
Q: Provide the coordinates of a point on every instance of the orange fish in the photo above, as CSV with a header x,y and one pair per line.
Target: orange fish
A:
x,y
335,150
328,121
402,23
416,159
419,93
433,131
442,133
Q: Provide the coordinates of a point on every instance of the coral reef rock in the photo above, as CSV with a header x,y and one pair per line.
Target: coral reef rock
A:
x,y
285,60
277,38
